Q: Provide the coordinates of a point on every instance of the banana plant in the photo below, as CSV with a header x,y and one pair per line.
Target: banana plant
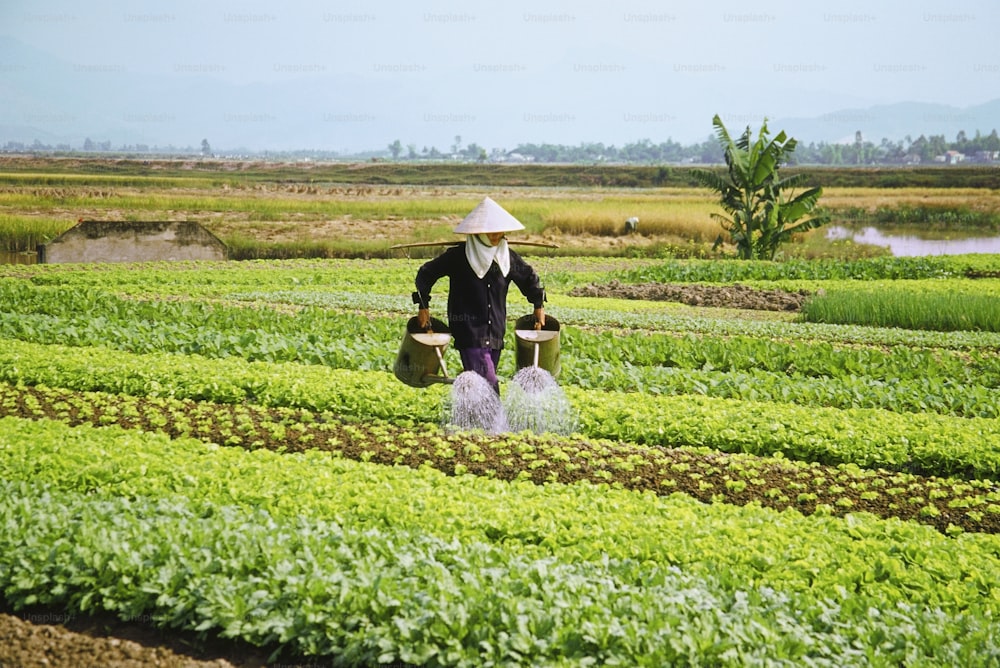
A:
x,y
763,212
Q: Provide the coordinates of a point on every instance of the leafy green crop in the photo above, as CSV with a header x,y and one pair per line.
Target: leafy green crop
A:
x,y
731,271
903,379
909,309
919,443
951,505
305,551
365,552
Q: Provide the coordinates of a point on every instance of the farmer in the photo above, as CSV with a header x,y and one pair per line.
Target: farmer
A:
x,y
480,271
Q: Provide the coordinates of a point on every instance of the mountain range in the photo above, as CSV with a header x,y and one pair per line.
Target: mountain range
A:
x,y
60,103
895,122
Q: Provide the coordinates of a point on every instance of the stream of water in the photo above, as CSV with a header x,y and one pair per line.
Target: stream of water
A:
x,y
532,401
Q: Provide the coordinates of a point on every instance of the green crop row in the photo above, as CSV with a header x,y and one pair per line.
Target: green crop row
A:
x,y
913,294
880,268
951,505
903,379
604,315
792,357
934,394
306,553
388,276
906,308
919,443
86,317
366,293
384,285
200,279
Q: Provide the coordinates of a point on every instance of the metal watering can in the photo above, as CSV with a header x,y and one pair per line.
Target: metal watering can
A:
x,y
421,354
537,347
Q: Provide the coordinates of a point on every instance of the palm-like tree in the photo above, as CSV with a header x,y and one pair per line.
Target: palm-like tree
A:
x,y
762,212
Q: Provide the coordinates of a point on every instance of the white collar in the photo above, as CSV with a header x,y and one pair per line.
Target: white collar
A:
x,y
481,254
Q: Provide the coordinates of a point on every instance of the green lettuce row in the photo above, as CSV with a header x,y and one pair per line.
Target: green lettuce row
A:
x,y
945,396
922,443
366,596
819,553
218,279
228,380
926,444
358,346
212,278
582,312
834,574
922,381
799,357
593,313
363,285
585,363
951,505
728,271
328,336
92,317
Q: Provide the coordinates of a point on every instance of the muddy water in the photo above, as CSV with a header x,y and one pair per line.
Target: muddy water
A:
x,y
18,258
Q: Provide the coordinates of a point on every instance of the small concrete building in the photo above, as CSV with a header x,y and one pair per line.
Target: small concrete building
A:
x,y
132,241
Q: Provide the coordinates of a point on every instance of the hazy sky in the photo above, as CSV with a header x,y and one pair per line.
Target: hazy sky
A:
x,y
356,75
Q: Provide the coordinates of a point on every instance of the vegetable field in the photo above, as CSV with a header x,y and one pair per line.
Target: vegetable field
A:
x,y
222,449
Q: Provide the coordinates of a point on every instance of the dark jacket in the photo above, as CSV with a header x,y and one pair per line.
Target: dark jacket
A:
x,y
477,307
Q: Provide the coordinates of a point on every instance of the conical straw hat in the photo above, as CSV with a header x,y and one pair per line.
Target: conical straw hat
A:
x,y
488,217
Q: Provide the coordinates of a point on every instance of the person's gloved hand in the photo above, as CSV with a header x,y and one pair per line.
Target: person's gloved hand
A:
x,y
424,318
539,318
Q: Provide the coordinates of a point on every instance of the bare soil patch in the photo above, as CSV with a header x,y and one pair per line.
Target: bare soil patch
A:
x,y
54,640
726,296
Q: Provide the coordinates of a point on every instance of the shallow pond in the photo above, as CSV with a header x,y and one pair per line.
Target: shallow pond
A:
x,y
912,245
18,258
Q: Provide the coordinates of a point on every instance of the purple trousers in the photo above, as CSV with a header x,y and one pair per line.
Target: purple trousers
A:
x,y
484,362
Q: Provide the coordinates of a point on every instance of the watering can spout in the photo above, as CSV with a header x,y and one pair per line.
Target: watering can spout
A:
x,y
420,361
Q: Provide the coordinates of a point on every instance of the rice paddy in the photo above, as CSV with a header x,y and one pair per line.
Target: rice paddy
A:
x,y
302,215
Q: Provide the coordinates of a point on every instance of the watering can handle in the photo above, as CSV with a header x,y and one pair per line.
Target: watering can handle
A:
x,y
539,318
427,326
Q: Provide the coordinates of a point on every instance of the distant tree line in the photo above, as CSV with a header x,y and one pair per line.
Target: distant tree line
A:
x,y
922,150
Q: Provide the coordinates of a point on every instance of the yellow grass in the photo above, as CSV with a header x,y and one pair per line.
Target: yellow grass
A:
x,y
976,199
292,213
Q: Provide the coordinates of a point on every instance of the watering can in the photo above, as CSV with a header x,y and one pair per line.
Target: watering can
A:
x,y
421,354
537,346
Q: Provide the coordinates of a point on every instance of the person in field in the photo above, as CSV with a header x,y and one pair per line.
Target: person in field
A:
x,y
480,272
